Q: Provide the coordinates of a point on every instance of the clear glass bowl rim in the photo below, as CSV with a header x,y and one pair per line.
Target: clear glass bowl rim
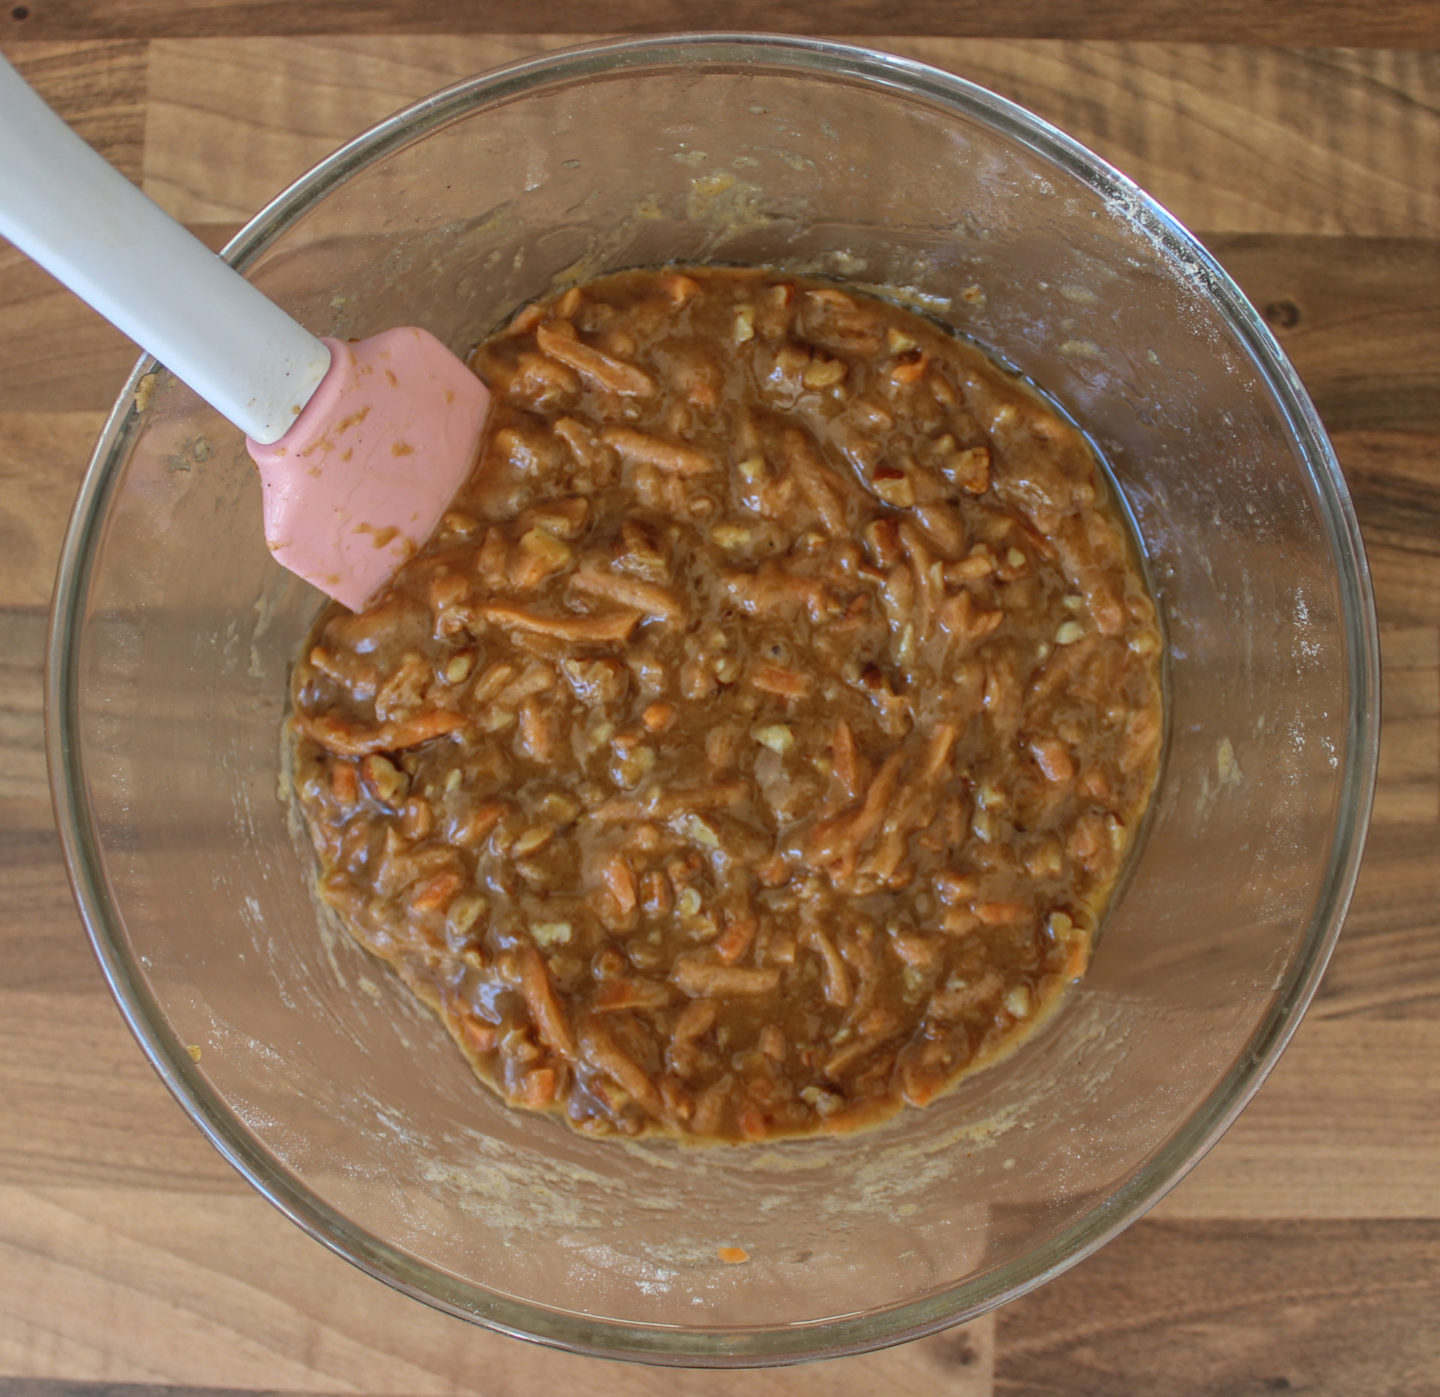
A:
x,y
751,1346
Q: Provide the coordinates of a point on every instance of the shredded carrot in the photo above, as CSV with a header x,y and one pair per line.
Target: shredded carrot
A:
x,y
776,679
695,1019
849,765
525,321
844,1058
1001,913
348,738
751,1121
619,880
583,443
438,893
820,486
883,862
537,1088
619,810
666,805
344,783
710,1106
943,526
545,1010
958,616
679,1105
1062,665
416,819
605,1054
845,834
613,626
347,672
937,754
478,826
492,561
697,976
773,872
773,588
644,596
537,732
911,367
480,1037
657,896
538,373
735,940
837,979
614,995
613,375
642,450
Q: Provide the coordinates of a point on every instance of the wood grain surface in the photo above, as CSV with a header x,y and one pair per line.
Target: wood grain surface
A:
x,y
1303,1255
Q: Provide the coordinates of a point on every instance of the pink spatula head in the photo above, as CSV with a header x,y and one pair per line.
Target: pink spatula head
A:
x,y
363,476
361,447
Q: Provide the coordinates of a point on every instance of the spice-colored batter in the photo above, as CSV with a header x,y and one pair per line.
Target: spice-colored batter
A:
x,y
758,743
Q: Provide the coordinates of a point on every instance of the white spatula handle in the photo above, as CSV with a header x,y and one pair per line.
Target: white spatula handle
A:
x,y
85,223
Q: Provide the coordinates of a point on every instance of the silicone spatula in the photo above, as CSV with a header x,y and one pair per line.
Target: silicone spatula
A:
x,y
361,447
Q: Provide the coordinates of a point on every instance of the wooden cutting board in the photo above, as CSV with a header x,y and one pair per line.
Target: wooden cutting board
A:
x,y
1303,141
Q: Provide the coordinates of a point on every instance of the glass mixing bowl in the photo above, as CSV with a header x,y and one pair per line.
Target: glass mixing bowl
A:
x,y
346,1106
